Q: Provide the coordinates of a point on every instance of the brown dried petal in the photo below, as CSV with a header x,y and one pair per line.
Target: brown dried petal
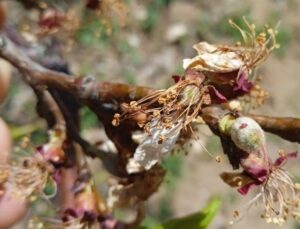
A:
x,y
237,179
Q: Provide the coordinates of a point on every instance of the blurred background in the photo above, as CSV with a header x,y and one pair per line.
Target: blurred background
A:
x,y
144,43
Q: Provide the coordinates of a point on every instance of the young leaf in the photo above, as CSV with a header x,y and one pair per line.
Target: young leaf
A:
x,y
199,220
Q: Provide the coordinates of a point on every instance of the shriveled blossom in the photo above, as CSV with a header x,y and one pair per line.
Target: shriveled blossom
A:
x,y
165,113
88,204
224,63
30,176
88,210
278,192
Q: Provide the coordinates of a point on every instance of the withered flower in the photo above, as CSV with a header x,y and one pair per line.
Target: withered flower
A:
x,y
28,177
88,210
35,175
224,63
165,113
88,206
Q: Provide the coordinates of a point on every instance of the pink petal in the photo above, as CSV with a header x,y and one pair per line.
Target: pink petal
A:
x,y
243,84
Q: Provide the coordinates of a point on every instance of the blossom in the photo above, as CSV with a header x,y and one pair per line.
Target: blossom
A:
x,y
87,210
36,175
224,64
28,177
163,114
249,53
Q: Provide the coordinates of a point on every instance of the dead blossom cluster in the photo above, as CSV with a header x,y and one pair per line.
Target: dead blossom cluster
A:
x,y
217,74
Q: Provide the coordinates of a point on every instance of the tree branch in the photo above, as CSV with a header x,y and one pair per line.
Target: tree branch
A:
x,y
287,128
104,98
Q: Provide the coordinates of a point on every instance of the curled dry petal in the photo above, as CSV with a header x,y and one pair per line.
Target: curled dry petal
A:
x,y
212,58
242,83
236,179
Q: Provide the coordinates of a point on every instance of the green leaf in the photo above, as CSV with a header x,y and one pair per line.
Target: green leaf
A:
x,y
199,220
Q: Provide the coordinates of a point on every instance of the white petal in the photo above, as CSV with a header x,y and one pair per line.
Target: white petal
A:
x,y
149,152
